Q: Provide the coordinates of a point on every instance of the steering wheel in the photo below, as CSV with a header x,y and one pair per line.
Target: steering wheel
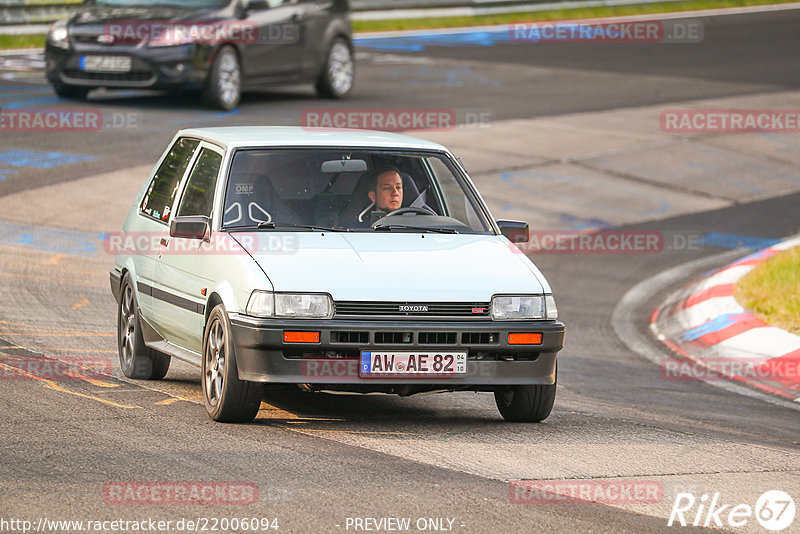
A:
x,y
413,209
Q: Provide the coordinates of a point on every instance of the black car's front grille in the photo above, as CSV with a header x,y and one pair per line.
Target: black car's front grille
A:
x,y
394,338
418,310
131,76
436,338
346,336
480,338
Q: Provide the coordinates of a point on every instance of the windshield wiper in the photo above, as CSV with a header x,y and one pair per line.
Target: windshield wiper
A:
x,y
390,227
273,225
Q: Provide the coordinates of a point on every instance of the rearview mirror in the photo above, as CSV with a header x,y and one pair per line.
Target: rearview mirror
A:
x,y
344,165
515,231
190,227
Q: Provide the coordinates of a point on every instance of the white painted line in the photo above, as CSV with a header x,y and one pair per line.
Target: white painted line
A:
x,y
768,341
786,245
705,311
630,18
728,276
624,315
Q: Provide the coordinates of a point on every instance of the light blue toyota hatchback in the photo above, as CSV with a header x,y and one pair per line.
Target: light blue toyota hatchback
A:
x,y
335,260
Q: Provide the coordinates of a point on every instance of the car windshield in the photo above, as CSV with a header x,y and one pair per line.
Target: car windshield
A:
x,y
197,4
350,190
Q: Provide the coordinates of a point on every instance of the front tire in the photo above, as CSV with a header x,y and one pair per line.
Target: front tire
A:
x,y
227,399
338,73
525,404
135,358
223,89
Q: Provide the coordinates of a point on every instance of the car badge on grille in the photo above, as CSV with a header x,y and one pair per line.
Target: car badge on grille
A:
x,y
105,38
407,308
478,310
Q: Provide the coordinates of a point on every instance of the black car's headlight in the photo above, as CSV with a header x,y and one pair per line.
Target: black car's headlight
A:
x,y
59,34
290,305
515,307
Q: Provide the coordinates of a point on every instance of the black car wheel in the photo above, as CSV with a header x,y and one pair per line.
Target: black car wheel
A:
x,y
525,404
71,92
223,89
227,399
135,358
338,73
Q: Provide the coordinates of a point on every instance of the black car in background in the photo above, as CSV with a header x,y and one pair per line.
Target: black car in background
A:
x,y
218,47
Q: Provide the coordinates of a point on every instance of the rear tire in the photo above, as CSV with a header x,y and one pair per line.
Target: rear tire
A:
x,y
227,399
338,73
525,404
223,89
135,358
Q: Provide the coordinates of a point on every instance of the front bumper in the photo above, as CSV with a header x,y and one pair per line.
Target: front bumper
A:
x,y
263,356
182,66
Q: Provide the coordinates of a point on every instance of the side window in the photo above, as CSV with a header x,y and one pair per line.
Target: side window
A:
x,y
198,199
159,197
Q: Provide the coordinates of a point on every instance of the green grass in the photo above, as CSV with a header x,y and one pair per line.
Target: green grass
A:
x,y
8,42
556,14
771,291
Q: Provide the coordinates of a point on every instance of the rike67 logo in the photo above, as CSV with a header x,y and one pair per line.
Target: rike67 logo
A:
x,y
774,510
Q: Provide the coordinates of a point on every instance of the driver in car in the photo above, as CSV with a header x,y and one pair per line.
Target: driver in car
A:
x,y
387,191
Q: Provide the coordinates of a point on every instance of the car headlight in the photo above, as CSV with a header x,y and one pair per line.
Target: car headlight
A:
x,y
510,307
58,35
290,305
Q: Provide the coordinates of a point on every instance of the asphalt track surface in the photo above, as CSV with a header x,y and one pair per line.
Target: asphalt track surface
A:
x,y
318,459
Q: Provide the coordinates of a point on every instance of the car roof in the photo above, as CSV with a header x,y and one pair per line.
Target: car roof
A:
x,y
265,136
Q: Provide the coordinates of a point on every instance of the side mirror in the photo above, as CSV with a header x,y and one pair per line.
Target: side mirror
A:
x,y
191,227
515,231
256,5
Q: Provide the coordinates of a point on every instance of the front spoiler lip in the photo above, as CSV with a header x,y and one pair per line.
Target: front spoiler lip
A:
x,y
259,352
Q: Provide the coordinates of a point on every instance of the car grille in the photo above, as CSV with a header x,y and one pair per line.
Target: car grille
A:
x,y
132,76
417,310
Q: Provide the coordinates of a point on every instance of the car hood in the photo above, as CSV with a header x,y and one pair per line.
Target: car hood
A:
x,y
397,266
93,16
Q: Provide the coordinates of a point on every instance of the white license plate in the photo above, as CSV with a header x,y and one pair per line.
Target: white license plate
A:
x,y
413,364
106,63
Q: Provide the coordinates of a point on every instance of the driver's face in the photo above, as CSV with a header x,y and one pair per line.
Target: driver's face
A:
x,y
389,192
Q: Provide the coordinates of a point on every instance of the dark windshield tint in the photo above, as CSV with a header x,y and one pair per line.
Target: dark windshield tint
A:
x,y
160,195
198,199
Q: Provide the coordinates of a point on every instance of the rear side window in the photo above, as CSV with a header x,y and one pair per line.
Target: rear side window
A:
x,y
198,199
159,197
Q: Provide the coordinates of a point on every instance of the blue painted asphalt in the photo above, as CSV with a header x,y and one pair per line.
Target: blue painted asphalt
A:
x,y
37,159
50,239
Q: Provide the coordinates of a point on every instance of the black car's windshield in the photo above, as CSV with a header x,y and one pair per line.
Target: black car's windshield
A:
x,y
197,4
356,190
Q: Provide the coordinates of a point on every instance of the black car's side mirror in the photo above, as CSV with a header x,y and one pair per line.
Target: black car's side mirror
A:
x,y
515,231
255,5
190,227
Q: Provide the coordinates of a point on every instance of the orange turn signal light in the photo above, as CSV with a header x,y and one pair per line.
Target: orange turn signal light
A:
x,y
300,337
524,339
